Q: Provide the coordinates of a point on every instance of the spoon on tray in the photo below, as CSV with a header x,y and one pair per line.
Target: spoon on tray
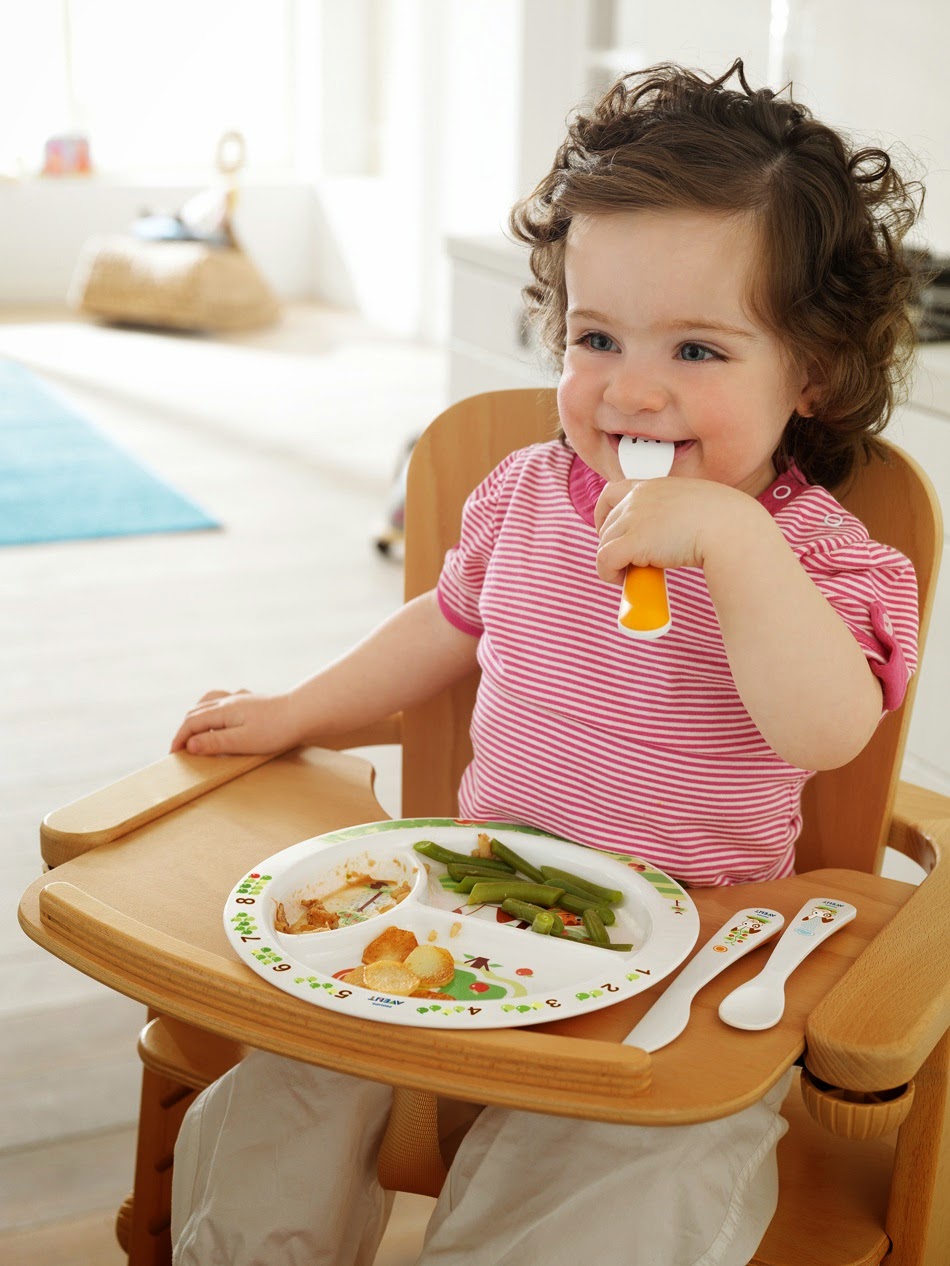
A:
x,y
760,1002
645,605
669,1015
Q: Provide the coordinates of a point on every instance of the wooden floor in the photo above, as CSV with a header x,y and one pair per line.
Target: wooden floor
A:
x,y
290,438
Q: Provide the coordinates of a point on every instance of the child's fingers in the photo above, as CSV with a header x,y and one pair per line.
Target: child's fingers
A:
x,y
614,557
608,501
214,715
219,742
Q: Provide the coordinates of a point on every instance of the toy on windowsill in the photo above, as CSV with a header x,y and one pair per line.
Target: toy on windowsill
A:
x,y
67,155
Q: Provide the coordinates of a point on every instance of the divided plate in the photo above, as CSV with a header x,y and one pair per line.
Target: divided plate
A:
x,y
505,974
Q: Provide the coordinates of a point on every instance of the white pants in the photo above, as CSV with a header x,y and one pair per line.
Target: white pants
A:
x,y
276,1166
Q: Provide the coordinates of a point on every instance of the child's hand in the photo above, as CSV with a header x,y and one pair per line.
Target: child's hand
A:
x,y
668,523
238,723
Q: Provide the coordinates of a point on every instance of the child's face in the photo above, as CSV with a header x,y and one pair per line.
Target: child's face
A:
x,y
661,343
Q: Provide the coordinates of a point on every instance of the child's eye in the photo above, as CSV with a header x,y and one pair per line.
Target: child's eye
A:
x,y
697,353
598,342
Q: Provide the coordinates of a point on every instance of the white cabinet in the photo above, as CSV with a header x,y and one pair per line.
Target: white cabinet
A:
x,y
490,347
490,350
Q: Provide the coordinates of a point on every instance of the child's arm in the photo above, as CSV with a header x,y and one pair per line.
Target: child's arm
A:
x,y
408,658
798,669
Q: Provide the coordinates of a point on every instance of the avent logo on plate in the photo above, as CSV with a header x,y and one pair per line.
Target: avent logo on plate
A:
x,y
381,1000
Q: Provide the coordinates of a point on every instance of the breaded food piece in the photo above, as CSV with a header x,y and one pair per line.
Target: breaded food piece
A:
x,y
393,944
317,916
355,977
484,846
433,965
387,976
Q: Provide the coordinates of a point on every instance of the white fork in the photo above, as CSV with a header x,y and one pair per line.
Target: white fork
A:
x,y
645,605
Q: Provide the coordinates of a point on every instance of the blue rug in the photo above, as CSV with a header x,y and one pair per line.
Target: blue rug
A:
x,y
61,479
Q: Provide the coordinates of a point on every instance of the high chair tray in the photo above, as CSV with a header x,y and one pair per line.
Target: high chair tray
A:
x,y
141,911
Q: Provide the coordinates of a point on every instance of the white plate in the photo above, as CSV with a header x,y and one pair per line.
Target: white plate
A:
x,y
506,975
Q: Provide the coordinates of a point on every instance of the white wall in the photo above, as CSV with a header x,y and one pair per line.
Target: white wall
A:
x,y
880,70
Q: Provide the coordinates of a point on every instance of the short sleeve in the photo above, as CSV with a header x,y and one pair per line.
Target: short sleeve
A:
x,y
873,589
466,564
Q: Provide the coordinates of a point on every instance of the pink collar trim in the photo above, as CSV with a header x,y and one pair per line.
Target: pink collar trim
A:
x,y
585,486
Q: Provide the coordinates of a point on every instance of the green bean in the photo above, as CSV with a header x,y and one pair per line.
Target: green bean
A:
x,y
543,923
572,890
528,912
445,855
493,893
506,854
525,910
579,939
594,927
577,905
461,870
571,883
469,882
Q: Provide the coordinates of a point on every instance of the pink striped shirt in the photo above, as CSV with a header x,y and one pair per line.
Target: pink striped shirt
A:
x,y
641,747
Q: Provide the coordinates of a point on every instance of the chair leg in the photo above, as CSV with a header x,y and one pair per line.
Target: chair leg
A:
x,y
178,1062
918,1213
148,1216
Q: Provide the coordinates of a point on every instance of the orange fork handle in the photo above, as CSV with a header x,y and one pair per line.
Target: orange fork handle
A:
x,y
645,605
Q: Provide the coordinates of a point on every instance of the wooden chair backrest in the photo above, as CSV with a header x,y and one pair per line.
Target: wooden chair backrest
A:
x,y
845,811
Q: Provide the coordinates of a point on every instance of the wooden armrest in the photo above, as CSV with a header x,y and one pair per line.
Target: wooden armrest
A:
x,y
874,1030
113,811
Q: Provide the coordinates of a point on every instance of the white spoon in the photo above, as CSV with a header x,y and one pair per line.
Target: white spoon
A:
x,y
760,1002
645,605
669,1015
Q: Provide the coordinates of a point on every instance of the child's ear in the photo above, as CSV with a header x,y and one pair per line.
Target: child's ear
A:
x,y
811,384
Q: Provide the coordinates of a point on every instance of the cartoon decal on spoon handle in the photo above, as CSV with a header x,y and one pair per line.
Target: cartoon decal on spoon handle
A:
x,y
760,1002
669,1015
645,605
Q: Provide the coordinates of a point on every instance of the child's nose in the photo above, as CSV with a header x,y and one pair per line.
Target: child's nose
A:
x,y
633,391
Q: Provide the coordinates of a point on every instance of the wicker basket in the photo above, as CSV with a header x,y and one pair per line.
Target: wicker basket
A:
x,y
181,285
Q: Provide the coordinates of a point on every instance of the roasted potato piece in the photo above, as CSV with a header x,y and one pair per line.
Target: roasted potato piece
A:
x,y
355,977
433,965
387,976
393,944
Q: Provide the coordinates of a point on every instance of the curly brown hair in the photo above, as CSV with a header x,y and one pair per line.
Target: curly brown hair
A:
x,y
835,284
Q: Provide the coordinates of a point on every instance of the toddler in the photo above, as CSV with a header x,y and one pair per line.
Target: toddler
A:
x,y
714,268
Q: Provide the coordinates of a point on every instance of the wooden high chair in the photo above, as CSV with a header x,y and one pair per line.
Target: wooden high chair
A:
x,y
141,869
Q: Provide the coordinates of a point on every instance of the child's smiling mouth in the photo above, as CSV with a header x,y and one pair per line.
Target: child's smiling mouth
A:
x,y
681,446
